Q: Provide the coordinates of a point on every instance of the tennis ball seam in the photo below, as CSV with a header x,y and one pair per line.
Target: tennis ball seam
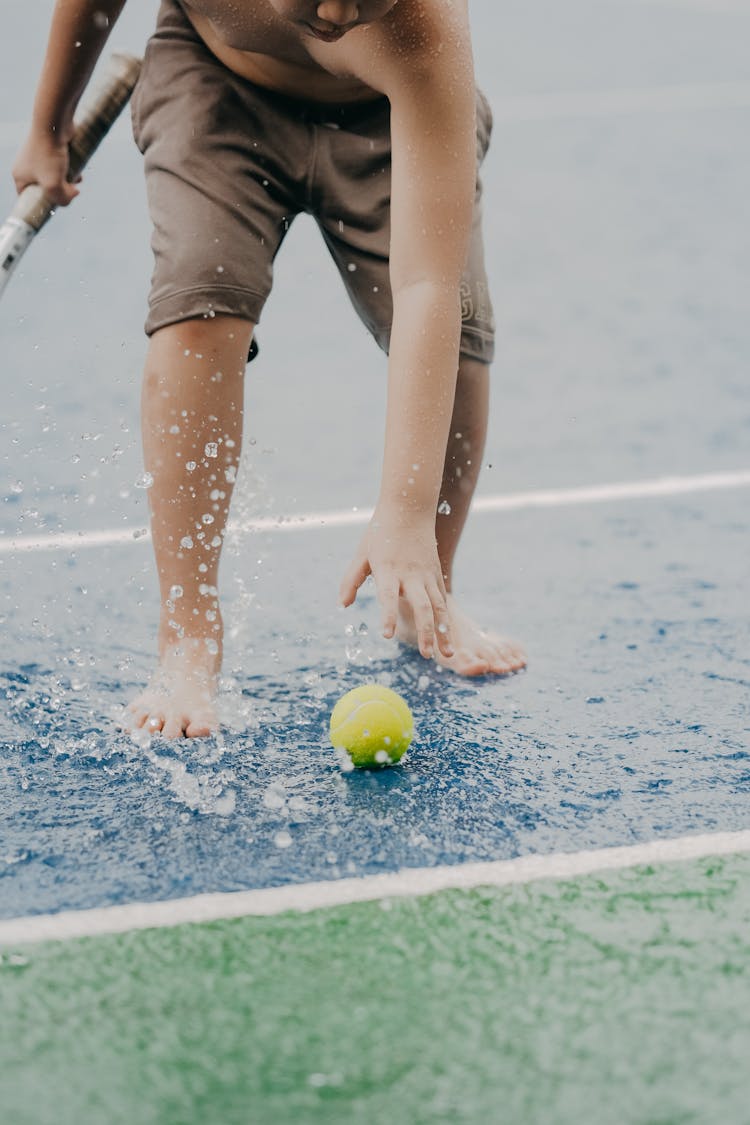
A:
x,y
368,703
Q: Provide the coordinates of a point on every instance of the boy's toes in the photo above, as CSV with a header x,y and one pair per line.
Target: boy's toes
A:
x,y
174,727
468,663
200,727
515,658
502,660
142,719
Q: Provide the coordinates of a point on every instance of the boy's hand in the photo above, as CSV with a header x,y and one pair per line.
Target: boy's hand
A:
x,y
43,160
400,553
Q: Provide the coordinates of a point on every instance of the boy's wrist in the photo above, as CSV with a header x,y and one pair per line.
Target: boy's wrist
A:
x,y
405,509
52,126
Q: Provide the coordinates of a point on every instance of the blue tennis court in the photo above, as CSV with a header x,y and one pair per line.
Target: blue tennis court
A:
x,y
541,914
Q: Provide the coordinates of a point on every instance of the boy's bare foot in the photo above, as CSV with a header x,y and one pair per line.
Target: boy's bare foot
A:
x,y
180,700
476,653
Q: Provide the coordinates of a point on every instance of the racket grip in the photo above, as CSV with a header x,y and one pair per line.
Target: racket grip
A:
x,y
99,114
102,111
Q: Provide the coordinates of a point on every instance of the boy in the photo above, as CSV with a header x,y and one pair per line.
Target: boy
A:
x,y
365,113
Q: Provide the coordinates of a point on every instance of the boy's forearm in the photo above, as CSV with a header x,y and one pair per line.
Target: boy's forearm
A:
x,y
78,32
423,365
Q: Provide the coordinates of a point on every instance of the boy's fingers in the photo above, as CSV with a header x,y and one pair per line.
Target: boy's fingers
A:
x,y
60,194
388,597
442,621
440,579
352,580
424,617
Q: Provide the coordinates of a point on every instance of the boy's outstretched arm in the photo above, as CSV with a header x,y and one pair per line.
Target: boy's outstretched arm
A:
x,y
78,32
433,133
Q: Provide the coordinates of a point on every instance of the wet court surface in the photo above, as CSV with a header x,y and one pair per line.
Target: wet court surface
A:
x,y
618,247
631,720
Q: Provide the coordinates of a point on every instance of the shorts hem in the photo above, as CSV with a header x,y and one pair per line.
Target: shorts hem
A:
x,y
475,344
200,303
478,345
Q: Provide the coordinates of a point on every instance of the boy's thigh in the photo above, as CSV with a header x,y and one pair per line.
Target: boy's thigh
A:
x,y
223,166
353,170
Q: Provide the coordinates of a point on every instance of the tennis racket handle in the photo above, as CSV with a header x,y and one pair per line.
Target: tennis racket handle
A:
x,y
102,111
98,115
15,238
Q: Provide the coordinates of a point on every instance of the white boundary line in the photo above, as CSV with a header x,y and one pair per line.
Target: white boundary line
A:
x,y
408,882
562,104
316,521
608,103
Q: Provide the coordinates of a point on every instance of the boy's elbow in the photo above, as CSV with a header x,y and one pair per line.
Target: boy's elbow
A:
x,y
435,280
422,299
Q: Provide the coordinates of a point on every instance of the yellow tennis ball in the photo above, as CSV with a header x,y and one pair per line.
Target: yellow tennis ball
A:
x,y
373,724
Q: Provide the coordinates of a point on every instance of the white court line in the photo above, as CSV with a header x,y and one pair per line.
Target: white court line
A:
x,y
572,103
342,892
607,103
315,521
562,104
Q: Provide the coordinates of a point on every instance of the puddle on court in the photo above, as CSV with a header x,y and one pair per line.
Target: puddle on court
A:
x,y
630,723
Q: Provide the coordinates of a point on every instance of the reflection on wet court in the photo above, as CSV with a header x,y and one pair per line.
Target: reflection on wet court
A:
x,y
618,259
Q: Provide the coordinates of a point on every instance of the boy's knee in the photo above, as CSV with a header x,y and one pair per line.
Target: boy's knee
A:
x,y
201,338
472,370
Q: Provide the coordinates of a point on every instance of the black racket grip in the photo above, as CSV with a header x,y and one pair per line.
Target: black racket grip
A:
x,y
99,115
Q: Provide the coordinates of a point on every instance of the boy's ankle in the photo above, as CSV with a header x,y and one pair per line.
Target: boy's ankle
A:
x,y
179,645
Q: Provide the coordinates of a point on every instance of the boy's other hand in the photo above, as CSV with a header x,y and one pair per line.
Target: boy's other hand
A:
x,y
400,552
43,160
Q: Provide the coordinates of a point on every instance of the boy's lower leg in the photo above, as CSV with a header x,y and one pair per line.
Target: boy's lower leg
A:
x,y
476,652
192,406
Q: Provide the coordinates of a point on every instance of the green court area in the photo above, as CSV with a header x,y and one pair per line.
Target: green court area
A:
x,y
621,997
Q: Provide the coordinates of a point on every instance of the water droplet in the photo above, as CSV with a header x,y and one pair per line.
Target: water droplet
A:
x,y
444,508
274,797
282,840
176,592
212,449
145,480
191,466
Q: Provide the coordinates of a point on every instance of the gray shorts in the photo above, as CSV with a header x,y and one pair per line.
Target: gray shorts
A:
x,y
230,164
